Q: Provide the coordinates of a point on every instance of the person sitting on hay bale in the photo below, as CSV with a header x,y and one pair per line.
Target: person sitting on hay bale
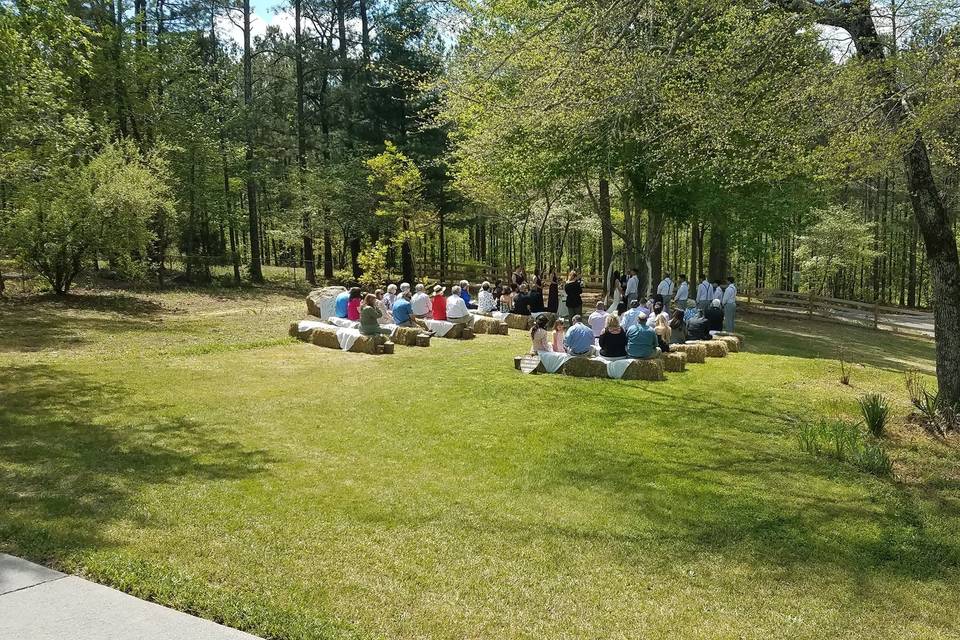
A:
x,y
521,301
438,304
385,316
403,311
535,299
698,328
613,340
486,302
559,333
630,315
420,303
340,304
663,331
353,304
678,327
370,319
465,294
714,316
390,297
578,340
538,336
456,308
642,340
598,320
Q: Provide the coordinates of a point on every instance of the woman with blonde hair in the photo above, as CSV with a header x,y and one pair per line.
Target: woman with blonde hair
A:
x,y
613,340
662,328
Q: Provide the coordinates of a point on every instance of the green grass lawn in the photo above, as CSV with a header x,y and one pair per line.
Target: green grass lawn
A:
x,y
180,447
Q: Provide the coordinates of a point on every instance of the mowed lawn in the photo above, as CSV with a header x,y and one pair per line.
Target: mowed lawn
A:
x,y
180,447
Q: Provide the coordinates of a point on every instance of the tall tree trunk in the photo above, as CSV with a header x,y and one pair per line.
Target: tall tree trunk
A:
x,y
256,270
719,250
309,260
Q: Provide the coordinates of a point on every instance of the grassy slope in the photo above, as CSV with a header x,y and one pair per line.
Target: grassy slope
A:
x,y
177,446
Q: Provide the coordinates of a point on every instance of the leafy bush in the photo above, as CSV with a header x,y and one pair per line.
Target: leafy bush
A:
x,y
875,412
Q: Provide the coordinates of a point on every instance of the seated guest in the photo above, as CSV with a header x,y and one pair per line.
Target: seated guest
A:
x,y
698,328
370,318
663,331
559,332
420,303
403,311
497,290
641,340
485,300
657,314
630,315
578,340
353,304
390,296
538,336
598,319
521,302
714,316
692,310
465,294
506,300
646,308
456,308
385,316
613,340
678,327
536,299
340,304
439,303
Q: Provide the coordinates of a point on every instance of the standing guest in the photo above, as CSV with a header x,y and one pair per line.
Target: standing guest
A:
x,y
714,316
539,339
613,340
390,297
353,304
559,333
633,286
439,303
678,327
521,302
538,279
578,340
630,315
370,318
553,293
340,304
485,300
403,311
664,289
456,308
598,320
465,294
535,299
729,301
506,300
717,292
574,290
517,278
664,333
641,340
704,294
420,302
683,292
698,328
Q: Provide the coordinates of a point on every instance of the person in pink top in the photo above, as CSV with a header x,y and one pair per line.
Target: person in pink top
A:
x,y
353,304
559,331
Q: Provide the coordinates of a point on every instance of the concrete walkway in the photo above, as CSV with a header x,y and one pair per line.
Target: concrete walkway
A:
x,y
37,603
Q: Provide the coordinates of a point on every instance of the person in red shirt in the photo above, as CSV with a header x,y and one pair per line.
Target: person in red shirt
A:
x,y
353,304
439,304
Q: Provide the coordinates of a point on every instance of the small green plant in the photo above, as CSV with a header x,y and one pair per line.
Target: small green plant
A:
x,y
916,388
875,412
844,369
872,458
810,438
845,442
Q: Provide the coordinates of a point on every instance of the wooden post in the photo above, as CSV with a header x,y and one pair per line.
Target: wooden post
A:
x,y
876,315
810,306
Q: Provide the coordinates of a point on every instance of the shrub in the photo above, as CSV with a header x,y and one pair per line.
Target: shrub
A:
x,y
875,412
872,458
845,442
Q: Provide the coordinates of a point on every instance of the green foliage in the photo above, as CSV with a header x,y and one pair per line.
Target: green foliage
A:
x,y
838,239
373,261
844,442
400,198
876,411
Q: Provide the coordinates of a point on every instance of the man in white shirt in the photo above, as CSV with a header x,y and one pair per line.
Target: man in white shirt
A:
x,y
631,315
704,294
633,287
665,289
457,312
598,320
420,302
729,302
683,292
717,292
390,296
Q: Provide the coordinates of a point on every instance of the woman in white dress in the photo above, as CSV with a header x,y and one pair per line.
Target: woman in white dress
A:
x,y
613,299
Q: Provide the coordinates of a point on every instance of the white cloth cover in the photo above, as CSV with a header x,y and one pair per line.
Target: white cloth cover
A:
x,y
499,315
343,322
616,367
306,325
439,327
552,361
346,337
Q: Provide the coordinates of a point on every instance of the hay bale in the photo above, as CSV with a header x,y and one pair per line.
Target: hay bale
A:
x,y
516,321
733,344
696,353
387,348
715,348
323,337
407,336
489,325
649,369
581,367
738,336
423,340
674,362
321,301
518,362
467,334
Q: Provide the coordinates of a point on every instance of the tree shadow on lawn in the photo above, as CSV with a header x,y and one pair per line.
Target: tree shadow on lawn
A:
x,y
699,486
67,471
821,340
47,321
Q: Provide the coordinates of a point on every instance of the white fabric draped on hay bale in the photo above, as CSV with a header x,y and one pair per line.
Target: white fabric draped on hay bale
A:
x,y
322,302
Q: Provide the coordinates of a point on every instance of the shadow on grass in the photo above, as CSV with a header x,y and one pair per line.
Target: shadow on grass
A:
x,y
817,339
67,471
